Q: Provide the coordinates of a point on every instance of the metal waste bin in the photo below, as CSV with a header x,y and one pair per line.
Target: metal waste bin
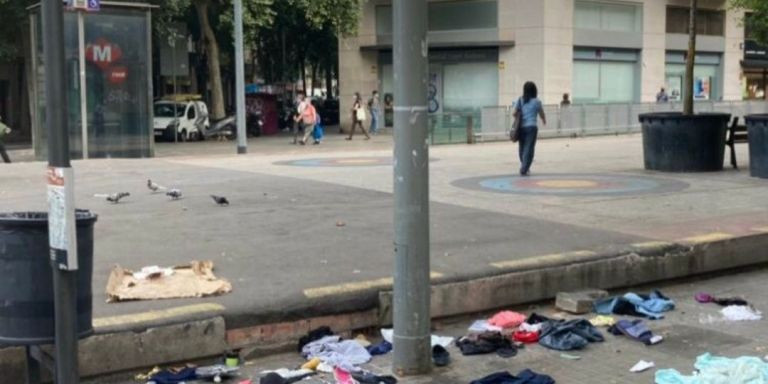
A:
x,y
26,280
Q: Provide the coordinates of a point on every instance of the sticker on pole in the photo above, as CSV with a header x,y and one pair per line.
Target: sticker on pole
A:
x,y
57,210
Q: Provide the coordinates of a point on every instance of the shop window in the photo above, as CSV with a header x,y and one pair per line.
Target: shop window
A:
x,y
604,82
708,22
607,16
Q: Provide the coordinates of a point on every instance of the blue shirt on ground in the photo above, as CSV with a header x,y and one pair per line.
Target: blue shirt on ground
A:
x,y
529,111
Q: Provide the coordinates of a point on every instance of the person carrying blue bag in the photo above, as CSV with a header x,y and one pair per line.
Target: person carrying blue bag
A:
x,y
318,132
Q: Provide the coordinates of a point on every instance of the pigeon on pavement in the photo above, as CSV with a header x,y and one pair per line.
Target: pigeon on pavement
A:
x,y
154,187
220,200
113,198
174,194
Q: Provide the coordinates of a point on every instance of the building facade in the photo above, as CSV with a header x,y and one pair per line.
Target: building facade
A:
x,y
598,51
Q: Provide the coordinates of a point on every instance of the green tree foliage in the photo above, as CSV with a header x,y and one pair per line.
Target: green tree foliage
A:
x,y
757,22
14,20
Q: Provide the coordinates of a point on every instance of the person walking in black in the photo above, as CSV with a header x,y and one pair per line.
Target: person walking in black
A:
x,y
4,131
528,109
358,117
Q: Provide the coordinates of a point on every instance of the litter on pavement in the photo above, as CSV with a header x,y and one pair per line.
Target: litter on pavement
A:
x,y
335,352
651,306
641,366
485,343
719,370
195,279
388,334
480,326
507,319
525,376
636,330
568,335
602,321
741,313
703,297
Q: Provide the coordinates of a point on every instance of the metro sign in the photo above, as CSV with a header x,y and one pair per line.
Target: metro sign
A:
x,y
103,53
87,5
117,75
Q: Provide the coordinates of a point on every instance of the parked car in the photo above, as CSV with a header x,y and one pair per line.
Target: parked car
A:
x,y
181,120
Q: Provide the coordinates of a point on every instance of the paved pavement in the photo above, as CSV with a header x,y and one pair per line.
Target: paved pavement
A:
x,y
280,245
685,338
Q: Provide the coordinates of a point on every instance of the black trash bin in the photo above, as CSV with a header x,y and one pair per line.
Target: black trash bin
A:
x,y
757,126
26,279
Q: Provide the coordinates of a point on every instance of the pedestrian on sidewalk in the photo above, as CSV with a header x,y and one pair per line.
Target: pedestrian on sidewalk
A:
x,y
307,119
358,116
374,104
298,128
662,96
566,100
4,131
528,108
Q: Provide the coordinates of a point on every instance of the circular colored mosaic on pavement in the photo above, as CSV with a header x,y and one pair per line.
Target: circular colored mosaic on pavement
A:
x,y
340,162
573,184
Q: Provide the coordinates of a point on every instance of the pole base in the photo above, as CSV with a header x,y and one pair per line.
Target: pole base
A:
x,y
242,150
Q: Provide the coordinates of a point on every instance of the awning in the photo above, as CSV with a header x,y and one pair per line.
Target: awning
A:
x,y
754,64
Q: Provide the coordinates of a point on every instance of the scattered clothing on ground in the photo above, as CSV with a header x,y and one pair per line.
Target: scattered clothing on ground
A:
x,y
312,364
636,330
535,318
741,313
213,371
485,343
526,327
480,326
703,297
174,376
364,377
289,375
331,350
507,319
719,370
362,340
388,335
313,335
641,366
602,321
381,348
525,337
651,306
342,376
440,356
568,335
524,377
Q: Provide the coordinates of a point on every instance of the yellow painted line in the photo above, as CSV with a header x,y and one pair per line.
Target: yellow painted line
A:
x,y
358,286
707,238
151,316
651,244
760,229
543,260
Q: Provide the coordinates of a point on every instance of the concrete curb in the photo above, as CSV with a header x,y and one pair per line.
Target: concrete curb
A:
x,y
194,332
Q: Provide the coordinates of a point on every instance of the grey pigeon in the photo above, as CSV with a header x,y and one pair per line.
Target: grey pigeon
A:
x,y
220,200
174,194
114,198
154,187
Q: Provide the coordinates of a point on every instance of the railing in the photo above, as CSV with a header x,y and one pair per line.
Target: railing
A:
x,y
598,119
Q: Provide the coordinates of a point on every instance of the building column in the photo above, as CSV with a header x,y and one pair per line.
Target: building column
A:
x,y
653,55
358,69
733,75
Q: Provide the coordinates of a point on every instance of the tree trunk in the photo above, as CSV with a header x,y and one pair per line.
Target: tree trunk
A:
x,y
690,61
329,81
214,67
303,71
314,79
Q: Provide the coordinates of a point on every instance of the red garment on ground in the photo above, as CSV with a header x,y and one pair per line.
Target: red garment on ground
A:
x,y
507,319
526,337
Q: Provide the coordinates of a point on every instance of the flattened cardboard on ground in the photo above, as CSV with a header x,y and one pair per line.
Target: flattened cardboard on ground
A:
x,y
195,279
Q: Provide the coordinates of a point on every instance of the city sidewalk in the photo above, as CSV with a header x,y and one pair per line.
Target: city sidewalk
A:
x,y
308,234
685,338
